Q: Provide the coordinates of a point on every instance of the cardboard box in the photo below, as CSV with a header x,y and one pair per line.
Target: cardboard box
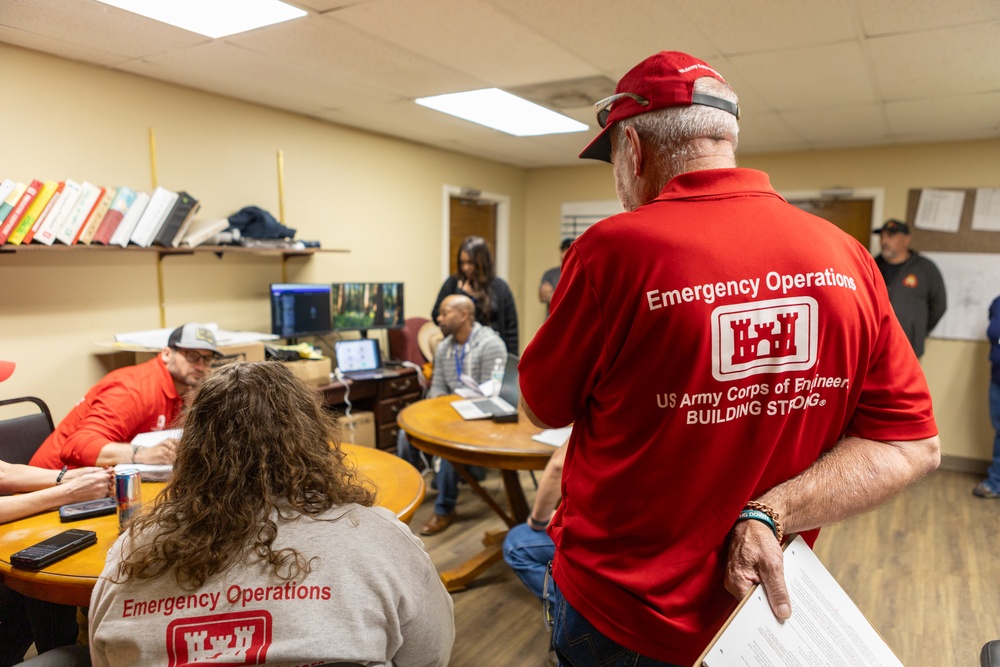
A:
x,y
314,372
358,429
246,352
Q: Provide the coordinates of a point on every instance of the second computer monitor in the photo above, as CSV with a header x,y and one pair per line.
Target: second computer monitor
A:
x,y
362,306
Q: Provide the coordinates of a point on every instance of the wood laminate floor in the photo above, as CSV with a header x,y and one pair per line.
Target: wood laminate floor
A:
x,y
924,569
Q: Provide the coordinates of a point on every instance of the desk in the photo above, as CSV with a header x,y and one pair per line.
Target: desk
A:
x,y
385,397
434,427
70,581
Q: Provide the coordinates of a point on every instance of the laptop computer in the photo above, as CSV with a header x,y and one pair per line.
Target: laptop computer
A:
x,y
499,408
360,359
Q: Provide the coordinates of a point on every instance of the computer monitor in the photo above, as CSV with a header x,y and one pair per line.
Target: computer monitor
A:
x,y
300,309
363,306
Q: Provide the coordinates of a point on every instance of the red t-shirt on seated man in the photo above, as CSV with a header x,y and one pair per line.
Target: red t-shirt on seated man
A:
x,y
129,401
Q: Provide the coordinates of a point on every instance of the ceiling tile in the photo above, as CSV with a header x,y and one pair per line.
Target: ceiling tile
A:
x,y
468,40
938,62
979,113
767,132
97,26
612,36
808,77
227,70
326,44
839,127
889,17
746,27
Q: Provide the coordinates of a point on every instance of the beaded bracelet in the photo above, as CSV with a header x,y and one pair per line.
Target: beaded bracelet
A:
x,y
779,531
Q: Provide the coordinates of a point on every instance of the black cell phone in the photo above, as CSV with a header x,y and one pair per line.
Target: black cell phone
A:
x,y
87,509
54,548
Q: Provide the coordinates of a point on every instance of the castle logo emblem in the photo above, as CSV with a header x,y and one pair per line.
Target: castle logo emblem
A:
x,y
239,638
764,337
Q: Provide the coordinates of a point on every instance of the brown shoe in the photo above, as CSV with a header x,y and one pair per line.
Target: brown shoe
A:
x,y
437,523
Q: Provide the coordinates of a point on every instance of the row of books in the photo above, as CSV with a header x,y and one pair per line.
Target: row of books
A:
x,y
72,213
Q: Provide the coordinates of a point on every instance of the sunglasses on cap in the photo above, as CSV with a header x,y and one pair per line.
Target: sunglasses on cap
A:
x,y
603,108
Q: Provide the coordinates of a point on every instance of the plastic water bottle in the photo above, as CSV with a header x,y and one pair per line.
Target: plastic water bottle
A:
x,y
497,376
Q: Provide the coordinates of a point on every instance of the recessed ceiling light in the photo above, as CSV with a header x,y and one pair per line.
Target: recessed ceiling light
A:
x,y
502,111
213,18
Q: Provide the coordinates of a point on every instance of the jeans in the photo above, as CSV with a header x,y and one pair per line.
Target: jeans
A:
x,y
446,478
528,553
580,644
993,474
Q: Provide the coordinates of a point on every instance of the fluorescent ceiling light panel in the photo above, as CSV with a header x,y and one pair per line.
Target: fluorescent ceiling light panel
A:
x,y
213,18
502,111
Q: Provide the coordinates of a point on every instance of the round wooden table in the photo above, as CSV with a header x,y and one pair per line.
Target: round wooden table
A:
x,y
70,581
433,426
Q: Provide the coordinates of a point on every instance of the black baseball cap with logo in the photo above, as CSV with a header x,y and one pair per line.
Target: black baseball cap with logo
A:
x,y
893,226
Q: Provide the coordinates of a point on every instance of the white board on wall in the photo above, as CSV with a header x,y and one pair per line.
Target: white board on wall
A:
x,y
972,281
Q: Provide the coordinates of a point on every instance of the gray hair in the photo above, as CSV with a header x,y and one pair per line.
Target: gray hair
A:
x,y
671,131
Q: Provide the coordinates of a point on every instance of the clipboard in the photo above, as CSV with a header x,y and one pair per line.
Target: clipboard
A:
x,y
823,619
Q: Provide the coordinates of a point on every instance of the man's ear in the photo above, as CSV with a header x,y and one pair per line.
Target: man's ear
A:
x,y
636,145
165,354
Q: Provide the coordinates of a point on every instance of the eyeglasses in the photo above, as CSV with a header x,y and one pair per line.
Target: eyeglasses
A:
x,y
195,357
603,108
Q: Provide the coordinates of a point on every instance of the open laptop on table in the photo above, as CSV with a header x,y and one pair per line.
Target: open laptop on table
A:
x,y
360,359
499,408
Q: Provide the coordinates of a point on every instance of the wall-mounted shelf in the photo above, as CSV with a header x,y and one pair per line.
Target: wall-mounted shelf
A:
x,y
217,249
160,253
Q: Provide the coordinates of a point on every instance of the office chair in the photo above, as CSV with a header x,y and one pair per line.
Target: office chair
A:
x,y
21,436
990,657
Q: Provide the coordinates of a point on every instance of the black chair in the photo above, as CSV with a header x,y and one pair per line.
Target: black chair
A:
x,y
990,657
20,437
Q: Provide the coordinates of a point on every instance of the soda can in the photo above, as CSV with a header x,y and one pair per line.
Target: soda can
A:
x,y
128,492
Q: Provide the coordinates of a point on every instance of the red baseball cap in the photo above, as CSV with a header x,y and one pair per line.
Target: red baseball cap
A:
x,y
660,81
6,368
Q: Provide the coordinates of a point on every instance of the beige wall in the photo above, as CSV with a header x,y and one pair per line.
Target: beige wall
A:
x,y
957,371
379,198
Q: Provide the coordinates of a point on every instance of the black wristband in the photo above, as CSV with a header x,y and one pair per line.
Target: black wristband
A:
x,y
537,525
61,474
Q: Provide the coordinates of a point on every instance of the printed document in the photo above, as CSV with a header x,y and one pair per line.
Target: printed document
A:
x,y
826,628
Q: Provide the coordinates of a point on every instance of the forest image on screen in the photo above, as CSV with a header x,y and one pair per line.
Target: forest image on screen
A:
x,y
367,305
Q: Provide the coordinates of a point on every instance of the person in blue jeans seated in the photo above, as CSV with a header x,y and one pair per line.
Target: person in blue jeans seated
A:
x,y
528,549
468,348
990,487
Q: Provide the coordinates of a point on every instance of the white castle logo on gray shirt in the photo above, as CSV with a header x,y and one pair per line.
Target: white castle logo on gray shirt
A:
x,y
225,648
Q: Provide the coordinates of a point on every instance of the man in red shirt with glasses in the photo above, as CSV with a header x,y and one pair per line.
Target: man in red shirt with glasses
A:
x,y
132,400
733,370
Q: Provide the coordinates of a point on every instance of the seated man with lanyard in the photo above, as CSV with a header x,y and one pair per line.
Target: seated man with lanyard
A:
x,y
130,401
470,349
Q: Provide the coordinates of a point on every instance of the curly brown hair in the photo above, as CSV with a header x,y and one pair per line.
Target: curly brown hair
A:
x,y
257,447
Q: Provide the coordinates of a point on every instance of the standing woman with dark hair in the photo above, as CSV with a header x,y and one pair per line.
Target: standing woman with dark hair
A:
x,y
265,547
476,278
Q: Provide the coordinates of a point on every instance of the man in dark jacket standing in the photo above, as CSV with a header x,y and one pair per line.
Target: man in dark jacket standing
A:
x,y
916,288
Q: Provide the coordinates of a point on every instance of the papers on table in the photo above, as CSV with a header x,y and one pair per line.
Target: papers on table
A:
x,y
157,338
556,437
149,472
826,628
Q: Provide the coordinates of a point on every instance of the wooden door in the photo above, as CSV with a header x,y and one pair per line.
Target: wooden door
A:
x,y
854,216
470,217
